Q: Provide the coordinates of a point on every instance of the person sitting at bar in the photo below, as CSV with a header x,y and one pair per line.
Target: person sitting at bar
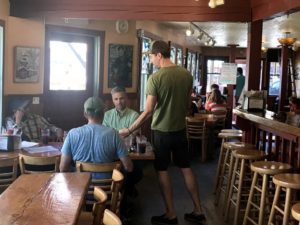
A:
x,y
29,125
294,103
216,103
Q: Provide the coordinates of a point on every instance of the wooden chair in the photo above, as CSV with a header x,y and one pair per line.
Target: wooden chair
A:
x,y
110,218
196,129
8,172
111,186
98,209
46,164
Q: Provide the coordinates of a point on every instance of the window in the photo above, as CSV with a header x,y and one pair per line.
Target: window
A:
x,y
146,70
68,62
274,84
1,67
213,73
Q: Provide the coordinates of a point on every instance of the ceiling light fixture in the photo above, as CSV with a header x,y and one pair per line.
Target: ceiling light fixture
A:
x,y
189,31
202,35
287,40
213,3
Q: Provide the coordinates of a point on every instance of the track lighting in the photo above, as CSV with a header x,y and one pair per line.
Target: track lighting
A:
x,y
200,34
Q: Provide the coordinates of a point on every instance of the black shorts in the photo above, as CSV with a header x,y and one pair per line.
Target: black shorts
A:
x,y
164,144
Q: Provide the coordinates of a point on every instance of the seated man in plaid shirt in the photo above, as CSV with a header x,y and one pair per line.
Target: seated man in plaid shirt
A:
x,y
30,124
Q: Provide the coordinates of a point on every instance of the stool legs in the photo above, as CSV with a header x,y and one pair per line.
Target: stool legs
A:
x,y
287,206
239,193
250,199
219,167
262,200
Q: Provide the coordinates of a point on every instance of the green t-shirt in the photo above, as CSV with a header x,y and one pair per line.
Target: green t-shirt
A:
x,y
171,86
119,120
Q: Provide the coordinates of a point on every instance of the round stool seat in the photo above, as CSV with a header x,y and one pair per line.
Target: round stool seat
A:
x,y
296,211
231,131
238,145
288,180
250,154
270,167
229,135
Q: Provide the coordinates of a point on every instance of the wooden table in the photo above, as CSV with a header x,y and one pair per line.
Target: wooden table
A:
x,y
47,198
149,155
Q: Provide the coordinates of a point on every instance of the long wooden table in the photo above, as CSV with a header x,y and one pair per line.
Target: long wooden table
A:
x,y
148,155
47,198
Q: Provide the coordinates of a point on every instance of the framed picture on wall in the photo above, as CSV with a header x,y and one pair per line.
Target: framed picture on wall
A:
x,y
120,65
26,64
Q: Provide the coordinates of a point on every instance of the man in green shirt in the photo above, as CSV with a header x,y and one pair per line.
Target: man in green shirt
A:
x,y
168,94
121,116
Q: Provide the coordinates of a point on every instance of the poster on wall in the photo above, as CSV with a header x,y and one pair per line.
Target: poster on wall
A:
x,y
26,64
120,65
228,73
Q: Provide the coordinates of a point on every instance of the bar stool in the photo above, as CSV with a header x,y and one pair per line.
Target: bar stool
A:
x,y
264,169
288,182
226,137
296,212
242,158
226,171
231,131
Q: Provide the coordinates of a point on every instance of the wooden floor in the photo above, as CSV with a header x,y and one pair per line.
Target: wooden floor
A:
x,y
149,201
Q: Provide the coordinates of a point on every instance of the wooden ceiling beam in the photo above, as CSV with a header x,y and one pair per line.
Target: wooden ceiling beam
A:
x,y
167,10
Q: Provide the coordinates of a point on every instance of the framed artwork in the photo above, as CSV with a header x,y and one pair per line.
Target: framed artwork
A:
x,y
27,64
120,65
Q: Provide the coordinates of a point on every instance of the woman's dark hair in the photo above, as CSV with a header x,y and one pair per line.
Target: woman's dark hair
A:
x,y
216,96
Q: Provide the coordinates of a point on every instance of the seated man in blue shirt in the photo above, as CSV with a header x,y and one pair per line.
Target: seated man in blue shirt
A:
x,y
94,142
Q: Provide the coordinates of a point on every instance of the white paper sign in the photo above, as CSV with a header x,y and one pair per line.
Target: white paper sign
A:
x,y
228,73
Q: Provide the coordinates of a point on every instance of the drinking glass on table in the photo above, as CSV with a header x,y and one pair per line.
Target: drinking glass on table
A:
x,y
45,134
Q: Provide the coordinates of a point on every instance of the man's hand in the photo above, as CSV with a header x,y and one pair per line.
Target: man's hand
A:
x,y
124,132
19,116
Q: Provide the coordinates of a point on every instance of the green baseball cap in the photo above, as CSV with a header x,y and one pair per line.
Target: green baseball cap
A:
x,y
93,105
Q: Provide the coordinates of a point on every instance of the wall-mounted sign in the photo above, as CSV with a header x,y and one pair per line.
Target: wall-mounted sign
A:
x,y
228,73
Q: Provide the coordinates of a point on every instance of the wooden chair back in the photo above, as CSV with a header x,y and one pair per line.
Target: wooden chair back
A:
x,y
111,186
47,164
195,128
99,206
8,172
111,218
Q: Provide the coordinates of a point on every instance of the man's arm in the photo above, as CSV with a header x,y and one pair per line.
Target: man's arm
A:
x,y
127,163
149,108
65,163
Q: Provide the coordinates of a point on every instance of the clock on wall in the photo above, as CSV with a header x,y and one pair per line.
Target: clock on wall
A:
x,y
122,26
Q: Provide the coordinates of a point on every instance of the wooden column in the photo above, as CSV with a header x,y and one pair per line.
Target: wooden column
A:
x,y
252,78
283,77
230,87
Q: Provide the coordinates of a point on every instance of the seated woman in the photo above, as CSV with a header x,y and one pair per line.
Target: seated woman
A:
x,y
216,103
294,104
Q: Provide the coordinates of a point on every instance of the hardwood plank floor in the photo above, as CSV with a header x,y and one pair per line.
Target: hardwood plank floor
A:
x,y
149,201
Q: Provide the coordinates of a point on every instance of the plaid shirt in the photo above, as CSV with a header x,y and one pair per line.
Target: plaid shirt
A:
x,y
31,126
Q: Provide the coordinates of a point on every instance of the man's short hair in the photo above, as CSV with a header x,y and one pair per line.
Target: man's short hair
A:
x,y
117,89
94,107
161,47
240,70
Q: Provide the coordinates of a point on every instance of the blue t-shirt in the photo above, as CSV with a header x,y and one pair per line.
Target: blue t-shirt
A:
x,y
94,143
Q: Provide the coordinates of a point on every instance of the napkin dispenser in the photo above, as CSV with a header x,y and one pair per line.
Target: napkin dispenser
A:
x,y
10,142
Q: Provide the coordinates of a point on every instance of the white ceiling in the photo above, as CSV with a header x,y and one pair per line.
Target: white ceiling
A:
x,y
236,33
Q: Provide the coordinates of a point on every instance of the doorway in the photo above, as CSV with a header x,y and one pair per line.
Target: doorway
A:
x,y
71,73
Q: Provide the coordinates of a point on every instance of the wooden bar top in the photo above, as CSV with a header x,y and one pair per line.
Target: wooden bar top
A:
x,y
267,119
47,198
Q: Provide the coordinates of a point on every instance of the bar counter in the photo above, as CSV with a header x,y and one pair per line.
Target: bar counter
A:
x,y
278,139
